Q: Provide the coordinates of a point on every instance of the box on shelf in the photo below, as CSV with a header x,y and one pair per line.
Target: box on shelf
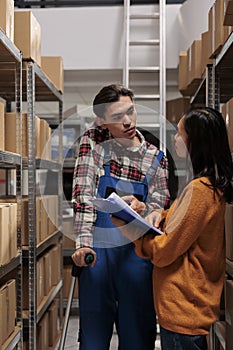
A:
x,y
4,234
195,63
7,310
219,32
47,272
45,140
7,18
53,323
52,66
175,108
228,12
206,50
183,72
11,140
27,36
13,229
55,258
43,333
2,126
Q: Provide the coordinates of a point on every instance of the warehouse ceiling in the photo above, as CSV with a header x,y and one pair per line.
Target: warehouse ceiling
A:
x,y
75,3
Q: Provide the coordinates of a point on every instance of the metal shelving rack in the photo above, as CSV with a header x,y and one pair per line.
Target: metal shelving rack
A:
x,y
11,91
214,89
37,87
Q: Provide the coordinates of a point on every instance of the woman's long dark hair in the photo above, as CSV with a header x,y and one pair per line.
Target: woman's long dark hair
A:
x,y
209,149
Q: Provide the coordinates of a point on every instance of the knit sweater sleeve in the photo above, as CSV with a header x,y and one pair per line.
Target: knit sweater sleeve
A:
x,y
185,221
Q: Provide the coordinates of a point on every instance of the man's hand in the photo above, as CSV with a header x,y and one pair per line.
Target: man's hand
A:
x,y
79,256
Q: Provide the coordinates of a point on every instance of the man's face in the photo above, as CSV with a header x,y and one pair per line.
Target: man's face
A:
x,y
120,118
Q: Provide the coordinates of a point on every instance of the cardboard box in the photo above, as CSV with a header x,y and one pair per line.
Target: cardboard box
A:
x,y
53,323
7,18
52,66
2,126
43,333
37,126
44,138
13,229
11,306
44,218
206,50
7,310
211,18
220,31
195,61
3,315
175,108
40,281
4,234
229,231
38,220
12,142
47,272
56,261
183,72
27,36
228,13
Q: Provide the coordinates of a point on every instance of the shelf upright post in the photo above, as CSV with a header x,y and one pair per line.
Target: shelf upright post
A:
x,y
19,170
31,134
212,87
60,201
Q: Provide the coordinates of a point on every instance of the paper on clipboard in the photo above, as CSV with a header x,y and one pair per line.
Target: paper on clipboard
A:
x,y
117,207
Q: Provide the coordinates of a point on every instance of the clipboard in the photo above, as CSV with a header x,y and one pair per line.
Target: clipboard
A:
x,y
117,207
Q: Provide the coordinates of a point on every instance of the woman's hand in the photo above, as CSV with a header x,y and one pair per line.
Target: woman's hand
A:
x,y
154,218
79,256
135,204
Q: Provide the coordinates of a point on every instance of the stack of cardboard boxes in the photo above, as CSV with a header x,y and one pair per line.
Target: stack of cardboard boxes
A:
x,y
192,62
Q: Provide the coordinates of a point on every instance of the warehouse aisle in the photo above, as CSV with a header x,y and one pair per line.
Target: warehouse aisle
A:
x,y
71,339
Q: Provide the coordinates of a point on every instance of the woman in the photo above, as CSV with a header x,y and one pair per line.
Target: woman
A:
x,y
189,257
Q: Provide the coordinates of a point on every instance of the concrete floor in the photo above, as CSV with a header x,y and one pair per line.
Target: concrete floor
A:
x,y
71,338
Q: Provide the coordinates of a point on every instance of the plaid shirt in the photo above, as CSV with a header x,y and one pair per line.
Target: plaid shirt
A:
x,y
129,164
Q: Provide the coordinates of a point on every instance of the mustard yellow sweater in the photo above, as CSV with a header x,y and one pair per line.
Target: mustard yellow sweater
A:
x,y
189,260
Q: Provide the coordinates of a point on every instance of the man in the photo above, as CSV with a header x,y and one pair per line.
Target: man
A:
x,y
117,287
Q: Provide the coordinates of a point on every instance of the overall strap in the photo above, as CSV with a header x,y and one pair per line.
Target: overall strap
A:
x,y
152,170
107,159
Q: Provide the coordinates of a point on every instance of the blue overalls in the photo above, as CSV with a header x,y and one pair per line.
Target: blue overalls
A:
x,y
118,289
